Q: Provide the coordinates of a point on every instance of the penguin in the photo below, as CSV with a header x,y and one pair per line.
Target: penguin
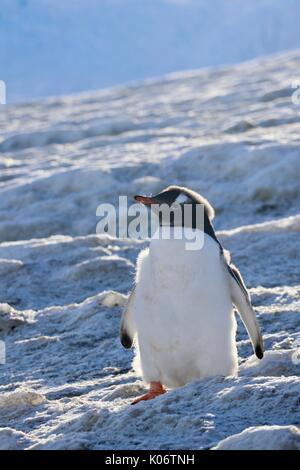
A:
x,y
180,315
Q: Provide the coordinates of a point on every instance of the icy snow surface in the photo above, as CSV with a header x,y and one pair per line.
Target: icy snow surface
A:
x,y
233,135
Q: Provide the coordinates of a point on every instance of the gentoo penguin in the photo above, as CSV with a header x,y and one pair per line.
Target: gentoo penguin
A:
x,y
181,310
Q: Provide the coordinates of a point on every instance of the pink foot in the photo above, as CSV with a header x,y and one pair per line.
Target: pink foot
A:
x,y
156,389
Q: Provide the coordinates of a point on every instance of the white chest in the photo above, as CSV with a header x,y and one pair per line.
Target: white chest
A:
x,y
183,312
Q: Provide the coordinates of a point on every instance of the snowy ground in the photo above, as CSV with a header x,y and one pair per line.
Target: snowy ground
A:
x,y
232,134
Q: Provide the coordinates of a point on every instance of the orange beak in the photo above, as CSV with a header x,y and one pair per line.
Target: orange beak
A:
x,y
147,201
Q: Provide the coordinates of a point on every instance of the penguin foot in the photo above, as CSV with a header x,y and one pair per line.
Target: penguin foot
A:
x,y
156,389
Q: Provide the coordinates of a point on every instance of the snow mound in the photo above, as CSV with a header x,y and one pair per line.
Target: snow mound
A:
x,y
291,224
20,399
10,439
112,299
11,318
100,264
274,363
263,438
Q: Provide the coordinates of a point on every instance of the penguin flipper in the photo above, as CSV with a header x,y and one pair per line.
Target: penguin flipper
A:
x,y
242,301
127,328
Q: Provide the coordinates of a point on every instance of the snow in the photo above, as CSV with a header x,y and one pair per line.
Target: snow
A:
x,y
232,134
51,47
12,440
291,224
275,363
263,438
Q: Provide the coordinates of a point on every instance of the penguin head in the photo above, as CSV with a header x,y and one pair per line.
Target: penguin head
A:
x,y
169,196
176,197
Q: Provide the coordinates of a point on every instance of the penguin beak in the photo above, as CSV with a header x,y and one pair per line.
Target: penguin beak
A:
x,y
147,201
